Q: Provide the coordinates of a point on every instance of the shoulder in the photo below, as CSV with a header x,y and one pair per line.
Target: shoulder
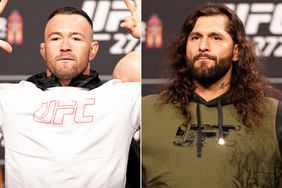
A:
x,y
126,88
272,105
16,86
115,89
149,99
276,107
10,93
153,103
156,104
271,101
118,84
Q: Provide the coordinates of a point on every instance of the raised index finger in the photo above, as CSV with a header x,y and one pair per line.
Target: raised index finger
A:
x,y
130,6
2,4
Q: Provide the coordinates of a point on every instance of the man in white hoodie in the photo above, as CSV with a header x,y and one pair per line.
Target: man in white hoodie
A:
x,y
72,136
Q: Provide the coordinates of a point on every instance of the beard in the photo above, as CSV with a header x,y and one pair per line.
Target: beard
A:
x,y
65,69
65,75
206,76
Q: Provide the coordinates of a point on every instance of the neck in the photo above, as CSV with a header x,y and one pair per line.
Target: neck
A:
x,y
216,89
65,82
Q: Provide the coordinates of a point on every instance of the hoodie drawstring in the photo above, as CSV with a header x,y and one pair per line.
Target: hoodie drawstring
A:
x,y
199,141
200,133
220,123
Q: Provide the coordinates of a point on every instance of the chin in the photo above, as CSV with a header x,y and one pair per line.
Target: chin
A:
x,y
203,64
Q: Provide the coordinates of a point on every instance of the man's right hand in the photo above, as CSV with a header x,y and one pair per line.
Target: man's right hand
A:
x,y
3,44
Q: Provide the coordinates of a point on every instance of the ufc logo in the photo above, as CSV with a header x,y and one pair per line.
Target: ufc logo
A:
x,y
58,112
187,136
106,16
255,14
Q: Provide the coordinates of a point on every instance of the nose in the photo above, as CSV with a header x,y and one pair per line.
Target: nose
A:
x,y
204,44
65,45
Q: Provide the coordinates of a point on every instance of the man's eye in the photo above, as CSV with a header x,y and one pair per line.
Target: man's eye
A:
x,y
194,37
216,38
76,39
55,38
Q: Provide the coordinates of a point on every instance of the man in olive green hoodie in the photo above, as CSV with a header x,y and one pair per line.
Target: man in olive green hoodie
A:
x,y
216,124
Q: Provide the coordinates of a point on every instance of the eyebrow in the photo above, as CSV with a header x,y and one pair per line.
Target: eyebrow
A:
x,y
195,33
209,34
71,34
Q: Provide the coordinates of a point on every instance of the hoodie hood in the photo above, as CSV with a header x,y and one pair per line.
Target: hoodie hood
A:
x,y
224,99
84,81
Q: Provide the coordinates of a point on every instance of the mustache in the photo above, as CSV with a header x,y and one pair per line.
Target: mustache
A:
x,y
211,57
65,56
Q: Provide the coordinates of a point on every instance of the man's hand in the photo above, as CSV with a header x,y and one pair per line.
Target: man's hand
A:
x,y
3,44
133,22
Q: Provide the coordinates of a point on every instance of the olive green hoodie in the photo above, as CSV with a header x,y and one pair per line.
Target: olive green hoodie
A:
x,y
179,156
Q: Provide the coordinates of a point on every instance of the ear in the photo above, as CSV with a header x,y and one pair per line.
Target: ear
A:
x,y
93,50
235,53
43,53
42,50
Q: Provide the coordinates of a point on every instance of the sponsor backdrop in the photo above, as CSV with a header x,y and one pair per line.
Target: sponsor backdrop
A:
x,y
162,20
22,24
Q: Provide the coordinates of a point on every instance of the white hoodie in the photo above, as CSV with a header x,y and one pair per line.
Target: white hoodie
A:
x,y
68,137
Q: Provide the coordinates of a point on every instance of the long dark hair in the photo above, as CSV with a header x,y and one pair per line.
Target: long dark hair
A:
x,y
248,87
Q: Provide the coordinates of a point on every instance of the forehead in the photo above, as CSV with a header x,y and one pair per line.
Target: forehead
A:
x,y
215,23
64,22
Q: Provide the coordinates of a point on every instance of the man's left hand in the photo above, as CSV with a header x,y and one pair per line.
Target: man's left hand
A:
x,y
133,22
